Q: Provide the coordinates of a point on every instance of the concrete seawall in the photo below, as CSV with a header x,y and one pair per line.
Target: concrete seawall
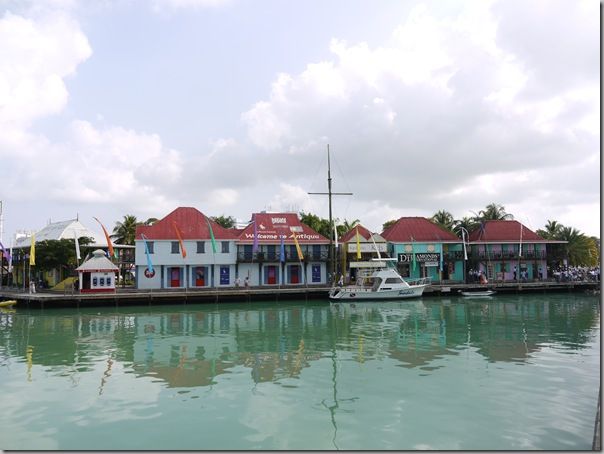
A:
x,y
123,297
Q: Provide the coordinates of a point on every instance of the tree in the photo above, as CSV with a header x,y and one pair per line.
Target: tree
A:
x,y
467,223
59,254
493,212
444,219
551,230
150,221
228,222
316,223
388,224
124,232
577,248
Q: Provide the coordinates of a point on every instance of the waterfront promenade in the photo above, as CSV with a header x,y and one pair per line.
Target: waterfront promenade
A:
x,y
126,296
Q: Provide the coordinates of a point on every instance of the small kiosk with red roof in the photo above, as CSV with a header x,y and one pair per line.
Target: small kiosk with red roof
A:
x,y
97,274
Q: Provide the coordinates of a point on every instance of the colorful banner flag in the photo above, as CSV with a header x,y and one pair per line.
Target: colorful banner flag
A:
x,y
300,256
77,245
255,245
211,235
183,251
282,250
335,234
358,245
149,264
32,251
108,238
6,254
520,246
413,252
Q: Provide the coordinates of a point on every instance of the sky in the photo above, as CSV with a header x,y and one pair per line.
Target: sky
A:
x,y
124,107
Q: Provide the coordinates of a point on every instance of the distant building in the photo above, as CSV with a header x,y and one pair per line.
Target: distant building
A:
x,y
368,244
508,251
424,249
68,230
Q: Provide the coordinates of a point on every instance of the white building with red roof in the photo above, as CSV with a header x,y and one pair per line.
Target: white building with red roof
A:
x,y
185,249
266,265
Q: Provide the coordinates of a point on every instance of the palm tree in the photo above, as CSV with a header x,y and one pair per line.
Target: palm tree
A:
x,y
551,230
577,248
444,219
124,232
466,222
493,212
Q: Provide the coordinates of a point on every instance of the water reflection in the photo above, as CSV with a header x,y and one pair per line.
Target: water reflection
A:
x,y
189,346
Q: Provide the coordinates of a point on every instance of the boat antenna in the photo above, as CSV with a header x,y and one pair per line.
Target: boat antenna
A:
x,y
330,193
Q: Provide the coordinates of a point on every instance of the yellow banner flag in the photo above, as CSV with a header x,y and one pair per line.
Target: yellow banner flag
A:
x,y
358,245
300,256
32,251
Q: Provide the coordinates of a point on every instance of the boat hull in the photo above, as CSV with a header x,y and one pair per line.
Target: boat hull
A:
x,y
8,303
349,294
478,294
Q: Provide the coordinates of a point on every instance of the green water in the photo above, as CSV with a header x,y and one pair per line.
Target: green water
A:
x,y
511,373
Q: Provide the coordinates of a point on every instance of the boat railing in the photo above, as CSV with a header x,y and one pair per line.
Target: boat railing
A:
x,y
420,281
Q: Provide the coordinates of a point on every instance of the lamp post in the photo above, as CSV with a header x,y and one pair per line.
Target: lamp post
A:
x,y
464,233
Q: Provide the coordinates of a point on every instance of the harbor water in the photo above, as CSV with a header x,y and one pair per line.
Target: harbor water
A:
x,y
509,372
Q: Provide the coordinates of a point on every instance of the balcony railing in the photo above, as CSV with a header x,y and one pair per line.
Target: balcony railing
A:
x,y
276,257
528,255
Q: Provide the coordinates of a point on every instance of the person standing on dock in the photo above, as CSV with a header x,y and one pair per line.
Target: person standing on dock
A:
x,y
246,282
237,282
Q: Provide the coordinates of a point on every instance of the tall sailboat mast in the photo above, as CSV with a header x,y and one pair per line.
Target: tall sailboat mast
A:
x,y
329,193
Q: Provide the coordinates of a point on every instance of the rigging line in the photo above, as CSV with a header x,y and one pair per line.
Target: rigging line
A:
x,y
342,174
320,166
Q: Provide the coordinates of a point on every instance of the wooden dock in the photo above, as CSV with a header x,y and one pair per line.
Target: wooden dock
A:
x,y
122,297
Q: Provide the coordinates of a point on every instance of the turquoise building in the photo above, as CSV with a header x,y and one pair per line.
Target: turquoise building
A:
x,y
423,249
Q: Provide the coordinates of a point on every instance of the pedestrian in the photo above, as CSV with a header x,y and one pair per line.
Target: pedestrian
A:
x,y
540,273
237,282
515,272
341,280
246,282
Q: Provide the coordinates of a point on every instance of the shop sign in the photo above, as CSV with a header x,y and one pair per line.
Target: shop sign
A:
x,y
421,257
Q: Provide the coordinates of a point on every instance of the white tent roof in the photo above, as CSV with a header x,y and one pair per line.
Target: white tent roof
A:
x,y
64,230
98,262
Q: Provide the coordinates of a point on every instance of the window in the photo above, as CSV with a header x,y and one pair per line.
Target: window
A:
x,y
175,247
201,247
150,246
393,280
95,282
108,281
101,282
225,247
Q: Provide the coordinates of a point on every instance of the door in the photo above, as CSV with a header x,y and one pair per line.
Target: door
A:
x,y
174,277
295,274
200,276
271,276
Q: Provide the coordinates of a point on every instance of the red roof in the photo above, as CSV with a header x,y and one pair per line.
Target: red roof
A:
x,y
417,229
191,223
270,227
352,234
503,231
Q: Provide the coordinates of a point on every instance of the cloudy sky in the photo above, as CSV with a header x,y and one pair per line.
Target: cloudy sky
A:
x,y
123,107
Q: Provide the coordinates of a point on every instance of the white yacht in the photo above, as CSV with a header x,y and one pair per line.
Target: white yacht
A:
x,y
378,280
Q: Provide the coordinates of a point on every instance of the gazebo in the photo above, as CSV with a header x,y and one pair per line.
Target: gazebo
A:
x,y
97,274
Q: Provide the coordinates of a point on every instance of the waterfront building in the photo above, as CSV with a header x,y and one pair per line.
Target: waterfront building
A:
x,y
367,243
424,249
61,230
205,255
265,265
97,274
508,251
